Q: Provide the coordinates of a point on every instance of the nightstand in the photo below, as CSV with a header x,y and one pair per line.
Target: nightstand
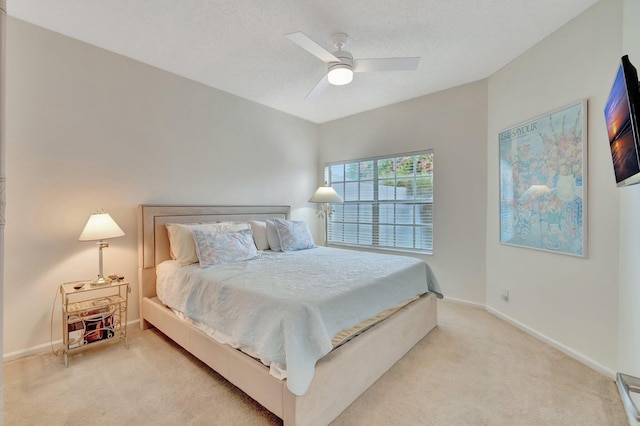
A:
x,y
93,315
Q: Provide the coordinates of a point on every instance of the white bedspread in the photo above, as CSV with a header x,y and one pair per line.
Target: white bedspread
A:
x,y
288,306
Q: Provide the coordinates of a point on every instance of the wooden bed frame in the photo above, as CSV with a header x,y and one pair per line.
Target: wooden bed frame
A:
x,y
340,377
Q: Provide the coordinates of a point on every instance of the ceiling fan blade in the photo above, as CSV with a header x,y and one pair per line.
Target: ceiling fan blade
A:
x,y
318,88
385,64
312,47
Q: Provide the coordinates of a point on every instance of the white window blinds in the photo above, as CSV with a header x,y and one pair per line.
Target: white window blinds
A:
x,y
388,202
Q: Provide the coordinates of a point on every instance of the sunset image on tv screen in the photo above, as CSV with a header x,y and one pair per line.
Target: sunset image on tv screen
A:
x,y
623,149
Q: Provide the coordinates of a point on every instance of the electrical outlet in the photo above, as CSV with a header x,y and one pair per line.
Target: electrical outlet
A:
x,y
505,295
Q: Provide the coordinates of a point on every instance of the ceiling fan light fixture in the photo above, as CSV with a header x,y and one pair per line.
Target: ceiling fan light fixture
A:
x,y
340,74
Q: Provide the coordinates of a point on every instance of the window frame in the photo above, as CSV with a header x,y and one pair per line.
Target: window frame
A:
x,y
376,204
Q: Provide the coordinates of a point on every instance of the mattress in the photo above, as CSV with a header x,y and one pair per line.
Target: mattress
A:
x,y
285,308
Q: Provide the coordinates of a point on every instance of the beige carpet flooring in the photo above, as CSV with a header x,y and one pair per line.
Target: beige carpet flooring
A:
x,y
473,369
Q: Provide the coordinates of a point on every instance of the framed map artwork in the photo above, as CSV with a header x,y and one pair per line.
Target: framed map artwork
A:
x,y
543,182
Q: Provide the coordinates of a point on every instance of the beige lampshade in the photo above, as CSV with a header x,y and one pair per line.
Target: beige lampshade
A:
x,y
325,194
100,226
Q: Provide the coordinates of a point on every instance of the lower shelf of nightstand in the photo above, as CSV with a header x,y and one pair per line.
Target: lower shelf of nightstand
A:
x,y
119,335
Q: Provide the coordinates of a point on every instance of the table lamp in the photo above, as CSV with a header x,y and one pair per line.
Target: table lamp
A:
x,y
100,227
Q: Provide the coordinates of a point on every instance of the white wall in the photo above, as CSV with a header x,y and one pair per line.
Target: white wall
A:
x,y
572,301
88,129
629,328
453,124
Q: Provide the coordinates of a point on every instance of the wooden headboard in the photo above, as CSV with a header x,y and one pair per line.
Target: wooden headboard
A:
x,y
153,242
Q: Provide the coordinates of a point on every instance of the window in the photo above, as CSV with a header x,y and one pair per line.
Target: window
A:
x,y
388,202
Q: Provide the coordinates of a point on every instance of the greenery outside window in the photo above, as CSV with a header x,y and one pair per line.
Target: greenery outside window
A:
x,y
388,202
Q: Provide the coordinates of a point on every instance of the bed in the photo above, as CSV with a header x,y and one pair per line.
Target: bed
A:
x,y
333,386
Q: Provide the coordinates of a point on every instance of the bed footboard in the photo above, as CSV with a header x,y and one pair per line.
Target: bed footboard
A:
x,y
334,387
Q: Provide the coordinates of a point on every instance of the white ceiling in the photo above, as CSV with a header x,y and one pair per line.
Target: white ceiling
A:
x,y
239,46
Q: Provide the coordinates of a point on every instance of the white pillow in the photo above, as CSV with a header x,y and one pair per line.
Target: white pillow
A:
x,y
259,229
216,248
272,236
294,235
183,248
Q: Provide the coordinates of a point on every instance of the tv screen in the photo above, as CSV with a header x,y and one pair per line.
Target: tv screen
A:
x,y
621,115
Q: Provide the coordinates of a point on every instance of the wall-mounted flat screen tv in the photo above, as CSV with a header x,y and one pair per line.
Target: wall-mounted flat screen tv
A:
x,y
621,115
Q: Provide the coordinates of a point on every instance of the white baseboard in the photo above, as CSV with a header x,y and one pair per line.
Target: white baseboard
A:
x,y
553,343
45,347
462,302
29,351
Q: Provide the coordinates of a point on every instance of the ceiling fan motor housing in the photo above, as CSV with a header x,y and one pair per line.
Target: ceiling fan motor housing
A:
x,y
345,59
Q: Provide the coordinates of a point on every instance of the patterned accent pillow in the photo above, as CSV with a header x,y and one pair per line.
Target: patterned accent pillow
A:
x,y
216,248
294,235
183,248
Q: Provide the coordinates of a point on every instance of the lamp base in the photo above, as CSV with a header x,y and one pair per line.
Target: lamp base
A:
x,y
100,281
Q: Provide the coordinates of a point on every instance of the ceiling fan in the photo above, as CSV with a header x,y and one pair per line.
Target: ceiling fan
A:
x,y
341,65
